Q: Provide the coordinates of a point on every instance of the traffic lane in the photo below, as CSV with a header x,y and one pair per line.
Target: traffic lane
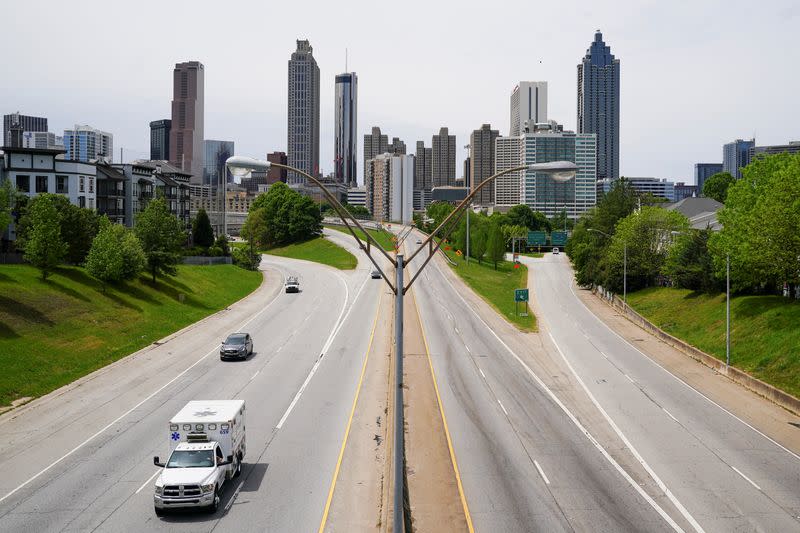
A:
x,y
556,477
144,430
727,474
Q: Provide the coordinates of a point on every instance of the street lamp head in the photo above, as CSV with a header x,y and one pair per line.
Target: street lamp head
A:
x,y
241,166
558,170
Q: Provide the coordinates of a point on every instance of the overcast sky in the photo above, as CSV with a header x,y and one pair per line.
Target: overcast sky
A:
x,y
695,74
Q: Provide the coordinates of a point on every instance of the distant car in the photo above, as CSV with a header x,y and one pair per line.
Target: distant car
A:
x,y
376,274
292,284
555,250
236,346
419,241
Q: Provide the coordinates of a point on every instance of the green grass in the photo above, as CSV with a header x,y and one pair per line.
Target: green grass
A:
x,y
496,286
319,250
384,238
532,254
765,336
53,332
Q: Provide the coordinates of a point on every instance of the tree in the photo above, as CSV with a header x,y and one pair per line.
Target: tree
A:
x,y
79,226
202,232
479,242
44,248
716,186
285,216
222,244
689,263
133,257
438,211
7,194
115,255
522,215
496,244
161,235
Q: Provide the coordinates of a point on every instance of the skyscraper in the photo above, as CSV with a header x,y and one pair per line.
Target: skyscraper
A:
x,y
375,143
186,133
15,124
84,143
422,167
388,184
508,154
443,159
598,104
159,139
482,146
528,104
345,141
703,171
736,155
216,153
396,147
303,121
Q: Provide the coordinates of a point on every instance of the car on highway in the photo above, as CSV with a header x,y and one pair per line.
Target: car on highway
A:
x,y
292,284
375,274
555,250
236,346
207,446
419,241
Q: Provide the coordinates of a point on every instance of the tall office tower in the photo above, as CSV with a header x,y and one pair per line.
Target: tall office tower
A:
x,y
703,171
508,154
443,159
598,104
303,127
388,183
276,174
84,143
528,104
216,153
186,133
481,161
375,143
396,147
540,191
422,167
736,156
345,141
15,124
159,139
466,172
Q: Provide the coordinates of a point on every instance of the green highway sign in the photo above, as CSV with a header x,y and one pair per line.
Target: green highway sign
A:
x,y
537,238
520,295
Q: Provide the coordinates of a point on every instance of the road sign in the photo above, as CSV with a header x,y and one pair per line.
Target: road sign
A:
x,y
558,238
537,238
520,295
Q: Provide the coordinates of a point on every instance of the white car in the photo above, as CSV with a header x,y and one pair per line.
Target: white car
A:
x,y
555,251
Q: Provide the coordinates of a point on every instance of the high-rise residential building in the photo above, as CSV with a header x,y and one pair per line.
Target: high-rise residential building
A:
x,y
303,122
375,143
159,139
388,183
703,171
216,153
736,156
422,167
598,104
396,147
42,139
84,143
187,129
481,161
15,124
345,135
528,105
443,159
540,191
508,154
658,187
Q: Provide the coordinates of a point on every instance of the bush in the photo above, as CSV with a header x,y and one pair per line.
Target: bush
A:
x,y
222,243
243,257
215,251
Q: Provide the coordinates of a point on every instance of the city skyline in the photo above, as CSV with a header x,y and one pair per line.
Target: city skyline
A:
x,y
690,77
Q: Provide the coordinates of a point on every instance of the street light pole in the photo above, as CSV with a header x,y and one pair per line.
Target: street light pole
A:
x,y
399,449
468,210
625,273
727,310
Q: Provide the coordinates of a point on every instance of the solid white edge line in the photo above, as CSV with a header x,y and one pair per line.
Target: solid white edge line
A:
x,y
234,496
541,472
503,407
629,378
685,512
482,374
747,478
668,519
254,375
132,409
670,415
680,380
148,481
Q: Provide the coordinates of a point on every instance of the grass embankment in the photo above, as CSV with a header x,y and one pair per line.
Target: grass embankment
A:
x,y
765,337
56,331
383,237
497,286
319,250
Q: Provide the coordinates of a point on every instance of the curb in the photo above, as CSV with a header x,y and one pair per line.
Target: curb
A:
x,y
740,377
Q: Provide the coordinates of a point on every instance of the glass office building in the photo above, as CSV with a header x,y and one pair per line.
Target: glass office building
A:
x,y
216,153
345,140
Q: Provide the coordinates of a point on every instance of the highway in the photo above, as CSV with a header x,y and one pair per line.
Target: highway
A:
x,y
583,441
81,459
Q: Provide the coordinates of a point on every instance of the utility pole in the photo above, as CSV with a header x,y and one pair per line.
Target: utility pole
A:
x,y
728,310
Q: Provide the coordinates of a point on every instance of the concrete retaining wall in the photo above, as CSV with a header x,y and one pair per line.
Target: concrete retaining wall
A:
x,y
784,399
205,261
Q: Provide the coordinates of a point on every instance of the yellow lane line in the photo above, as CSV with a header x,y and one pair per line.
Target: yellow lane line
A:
x,y
350,420
444,421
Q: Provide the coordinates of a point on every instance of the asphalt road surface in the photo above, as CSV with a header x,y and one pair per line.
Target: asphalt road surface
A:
x,y
81,460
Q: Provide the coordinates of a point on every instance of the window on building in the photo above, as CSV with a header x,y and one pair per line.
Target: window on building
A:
x,y
91,184
81,185
81,201
41,183
61,185
24,183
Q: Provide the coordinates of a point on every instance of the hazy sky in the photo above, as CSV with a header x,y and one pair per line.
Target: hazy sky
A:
x,y
695,74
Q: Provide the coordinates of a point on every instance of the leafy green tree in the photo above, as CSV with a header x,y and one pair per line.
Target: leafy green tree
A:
x,y
7,194
161,235
479,243
105,259
438,211
522,215
496,244
45,248
202,232
223,245
646,234
689,263
716,186
78,229
286,215
133,257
